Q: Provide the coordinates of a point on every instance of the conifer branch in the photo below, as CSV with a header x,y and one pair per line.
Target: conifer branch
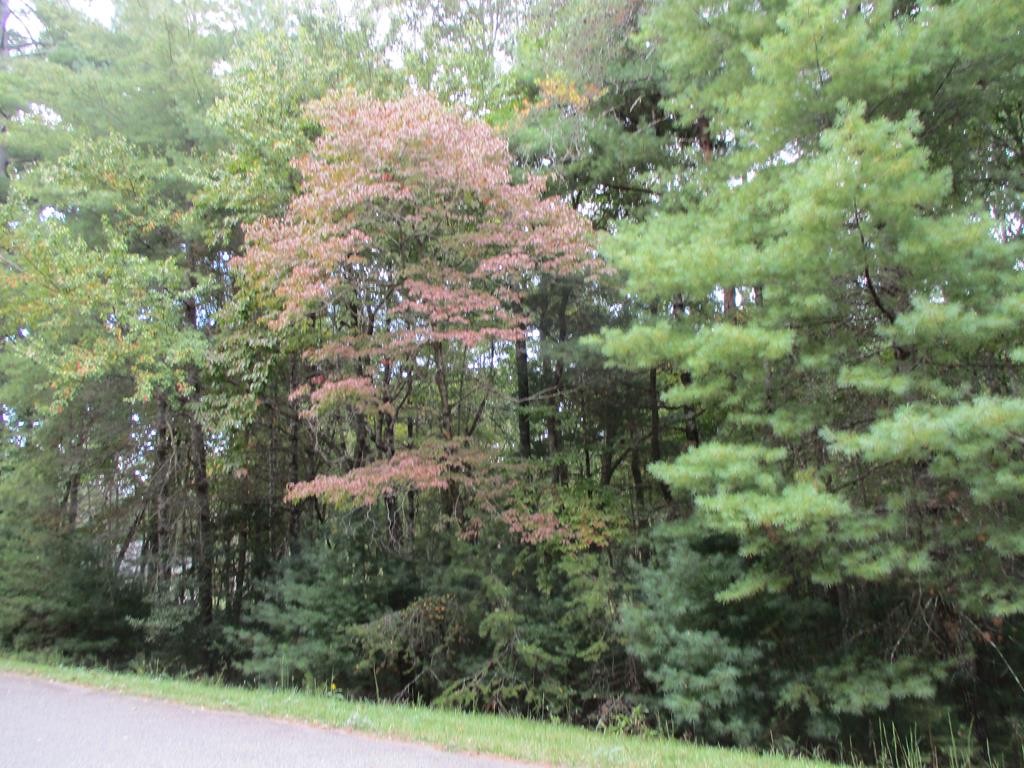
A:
x,y
877,299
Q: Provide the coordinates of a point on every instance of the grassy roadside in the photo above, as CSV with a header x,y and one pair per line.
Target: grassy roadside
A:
x,y
527,740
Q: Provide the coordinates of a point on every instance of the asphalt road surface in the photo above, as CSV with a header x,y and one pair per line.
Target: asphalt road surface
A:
x,y
51,725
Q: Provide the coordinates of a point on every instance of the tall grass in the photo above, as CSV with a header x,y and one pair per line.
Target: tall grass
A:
x,y
910,750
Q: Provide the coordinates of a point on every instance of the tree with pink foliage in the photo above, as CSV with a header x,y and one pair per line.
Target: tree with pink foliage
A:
x,y
410,250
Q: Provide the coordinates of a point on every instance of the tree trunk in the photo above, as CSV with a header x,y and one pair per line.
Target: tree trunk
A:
x,y
410,501
655,405
5,51
689,412
607,467
704,141
690,418
162,474
523,394
202,565
72,500
729,300
559,473
204,520
441,381
241,572
295,513
561,470
636,471
5,18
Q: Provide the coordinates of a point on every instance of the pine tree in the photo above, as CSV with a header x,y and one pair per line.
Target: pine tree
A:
x,y
846,318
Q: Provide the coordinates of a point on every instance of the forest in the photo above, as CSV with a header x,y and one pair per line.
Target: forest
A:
x,y
652,365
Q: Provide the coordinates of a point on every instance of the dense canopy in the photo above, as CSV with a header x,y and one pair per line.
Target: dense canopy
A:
x,y
656,365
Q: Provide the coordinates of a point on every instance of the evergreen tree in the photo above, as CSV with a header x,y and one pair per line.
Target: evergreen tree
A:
x,y
845,315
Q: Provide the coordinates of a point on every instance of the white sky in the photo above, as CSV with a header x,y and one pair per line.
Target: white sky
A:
x,y
101,10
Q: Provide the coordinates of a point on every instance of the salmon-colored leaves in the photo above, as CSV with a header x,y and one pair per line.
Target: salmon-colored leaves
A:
x,y
410,249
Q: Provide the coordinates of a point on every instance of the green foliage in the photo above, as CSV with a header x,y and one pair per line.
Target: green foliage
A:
x,y
125,320
302,628
757,484
57,593
272,75
709,663
843,300
459,52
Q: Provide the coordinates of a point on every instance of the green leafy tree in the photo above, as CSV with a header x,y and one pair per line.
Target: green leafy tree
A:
x,y
460,52
114,275
845,311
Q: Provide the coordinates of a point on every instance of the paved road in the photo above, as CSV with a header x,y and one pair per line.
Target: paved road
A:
x,y
51,725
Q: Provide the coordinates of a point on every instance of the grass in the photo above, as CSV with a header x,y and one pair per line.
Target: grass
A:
x,y
520,739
